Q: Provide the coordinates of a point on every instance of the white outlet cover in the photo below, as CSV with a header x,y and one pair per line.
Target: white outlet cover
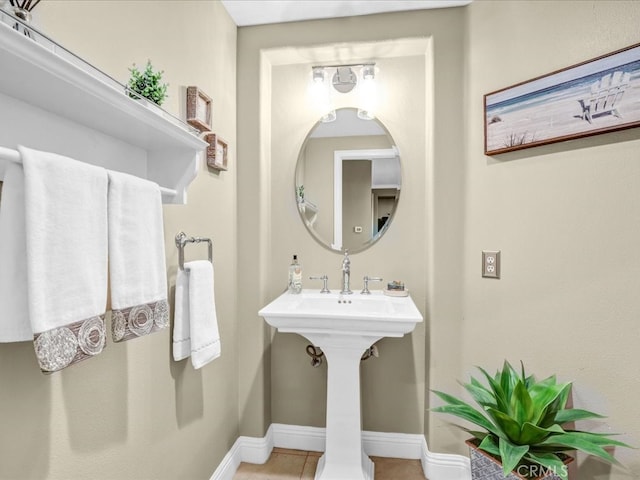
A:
x,y
491,263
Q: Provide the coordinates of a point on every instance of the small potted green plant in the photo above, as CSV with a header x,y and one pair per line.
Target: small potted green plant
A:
x,y
147,83
524,426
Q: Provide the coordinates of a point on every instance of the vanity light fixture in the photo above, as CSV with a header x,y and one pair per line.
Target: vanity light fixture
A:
x,y
344,77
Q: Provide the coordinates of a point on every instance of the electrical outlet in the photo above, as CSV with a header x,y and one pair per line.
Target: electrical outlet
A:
x,y
491,264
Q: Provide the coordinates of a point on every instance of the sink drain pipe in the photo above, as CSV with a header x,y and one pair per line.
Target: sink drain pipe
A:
x,y
316,354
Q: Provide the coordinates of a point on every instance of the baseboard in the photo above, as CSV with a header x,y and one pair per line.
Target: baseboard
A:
x,y
436,466
443,466
245,449
229,463
297,437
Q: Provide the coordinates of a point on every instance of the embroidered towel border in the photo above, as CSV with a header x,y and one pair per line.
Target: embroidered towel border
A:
x,y
63,346
140,320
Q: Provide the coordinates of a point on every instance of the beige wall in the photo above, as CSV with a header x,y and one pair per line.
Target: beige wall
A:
x,y
566,218
133,413
392,402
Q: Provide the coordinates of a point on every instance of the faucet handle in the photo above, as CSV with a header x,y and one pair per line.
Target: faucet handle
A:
x,y
324,279
367,279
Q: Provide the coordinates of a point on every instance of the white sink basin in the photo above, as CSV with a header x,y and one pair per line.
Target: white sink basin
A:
x,y
343,326
331,313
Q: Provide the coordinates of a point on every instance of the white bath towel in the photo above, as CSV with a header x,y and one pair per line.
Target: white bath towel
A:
x,y
15,325
195,330
66,257
137,266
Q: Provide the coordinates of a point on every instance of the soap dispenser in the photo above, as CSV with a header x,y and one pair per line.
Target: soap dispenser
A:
x,y
295,276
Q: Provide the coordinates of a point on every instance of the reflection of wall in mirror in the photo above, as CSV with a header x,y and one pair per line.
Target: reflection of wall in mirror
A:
x,y
318,184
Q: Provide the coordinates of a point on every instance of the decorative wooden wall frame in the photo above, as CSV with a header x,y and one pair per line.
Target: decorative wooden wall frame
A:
x,y
597,96
198,109
217,151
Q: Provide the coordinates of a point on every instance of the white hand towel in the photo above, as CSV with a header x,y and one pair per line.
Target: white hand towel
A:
x,y
15,325
137,265
181,323
195,330
66,256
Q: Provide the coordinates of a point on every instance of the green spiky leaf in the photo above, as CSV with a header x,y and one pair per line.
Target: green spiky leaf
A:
x,y
489,445
481,395
550,461
465,411
579,441
511,454
574,414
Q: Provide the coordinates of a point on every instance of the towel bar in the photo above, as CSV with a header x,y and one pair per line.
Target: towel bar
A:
x,y
10,155
182,240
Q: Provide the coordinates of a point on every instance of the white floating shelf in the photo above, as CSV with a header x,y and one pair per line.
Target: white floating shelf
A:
x,y
49,83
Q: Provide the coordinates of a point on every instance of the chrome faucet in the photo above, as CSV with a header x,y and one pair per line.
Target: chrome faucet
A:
x,y
346,274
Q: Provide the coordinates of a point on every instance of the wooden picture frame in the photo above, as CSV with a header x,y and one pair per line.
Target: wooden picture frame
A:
x,y
217,151
593,97
198,109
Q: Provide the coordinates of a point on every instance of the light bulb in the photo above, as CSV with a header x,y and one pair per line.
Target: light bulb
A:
x,y
329,117
318,74
368,72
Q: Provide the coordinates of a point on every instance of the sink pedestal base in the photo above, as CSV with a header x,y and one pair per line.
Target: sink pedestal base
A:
x,y
344,457
366,473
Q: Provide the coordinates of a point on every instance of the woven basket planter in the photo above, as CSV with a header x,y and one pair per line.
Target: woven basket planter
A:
x,y
486,467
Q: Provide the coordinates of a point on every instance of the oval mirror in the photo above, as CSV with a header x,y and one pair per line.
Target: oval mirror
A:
x,y
348,181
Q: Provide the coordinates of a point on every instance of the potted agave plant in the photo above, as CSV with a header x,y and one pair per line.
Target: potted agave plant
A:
x,y
524,427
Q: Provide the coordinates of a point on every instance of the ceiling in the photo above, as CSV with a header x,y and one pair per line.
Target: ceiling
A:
x,y
259,12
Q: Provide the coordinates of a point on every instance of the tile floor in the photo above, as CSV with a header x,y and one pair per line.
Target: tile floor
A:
x,y
285,464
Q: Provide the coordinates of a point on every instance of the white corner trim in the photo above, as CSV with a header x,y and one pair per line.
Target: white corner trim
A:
x,y
230,463
436,466
443,466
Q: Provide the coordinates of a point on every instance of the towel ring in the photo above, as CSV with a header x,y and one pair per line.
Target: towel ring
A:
x,y
182,240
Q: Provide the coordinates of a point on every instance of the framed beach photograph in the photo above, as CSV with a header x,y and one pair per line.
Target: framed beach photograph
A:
x,y
198,109
597,96
217,151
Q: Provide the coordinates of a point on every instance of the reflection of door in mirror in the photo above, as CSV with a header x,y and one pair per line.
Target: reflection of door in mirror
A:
x,y
382,171
384,202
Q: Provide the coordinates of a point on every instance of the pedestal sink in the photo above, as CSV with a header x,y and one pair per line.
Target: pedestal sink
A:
x,y
344,327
